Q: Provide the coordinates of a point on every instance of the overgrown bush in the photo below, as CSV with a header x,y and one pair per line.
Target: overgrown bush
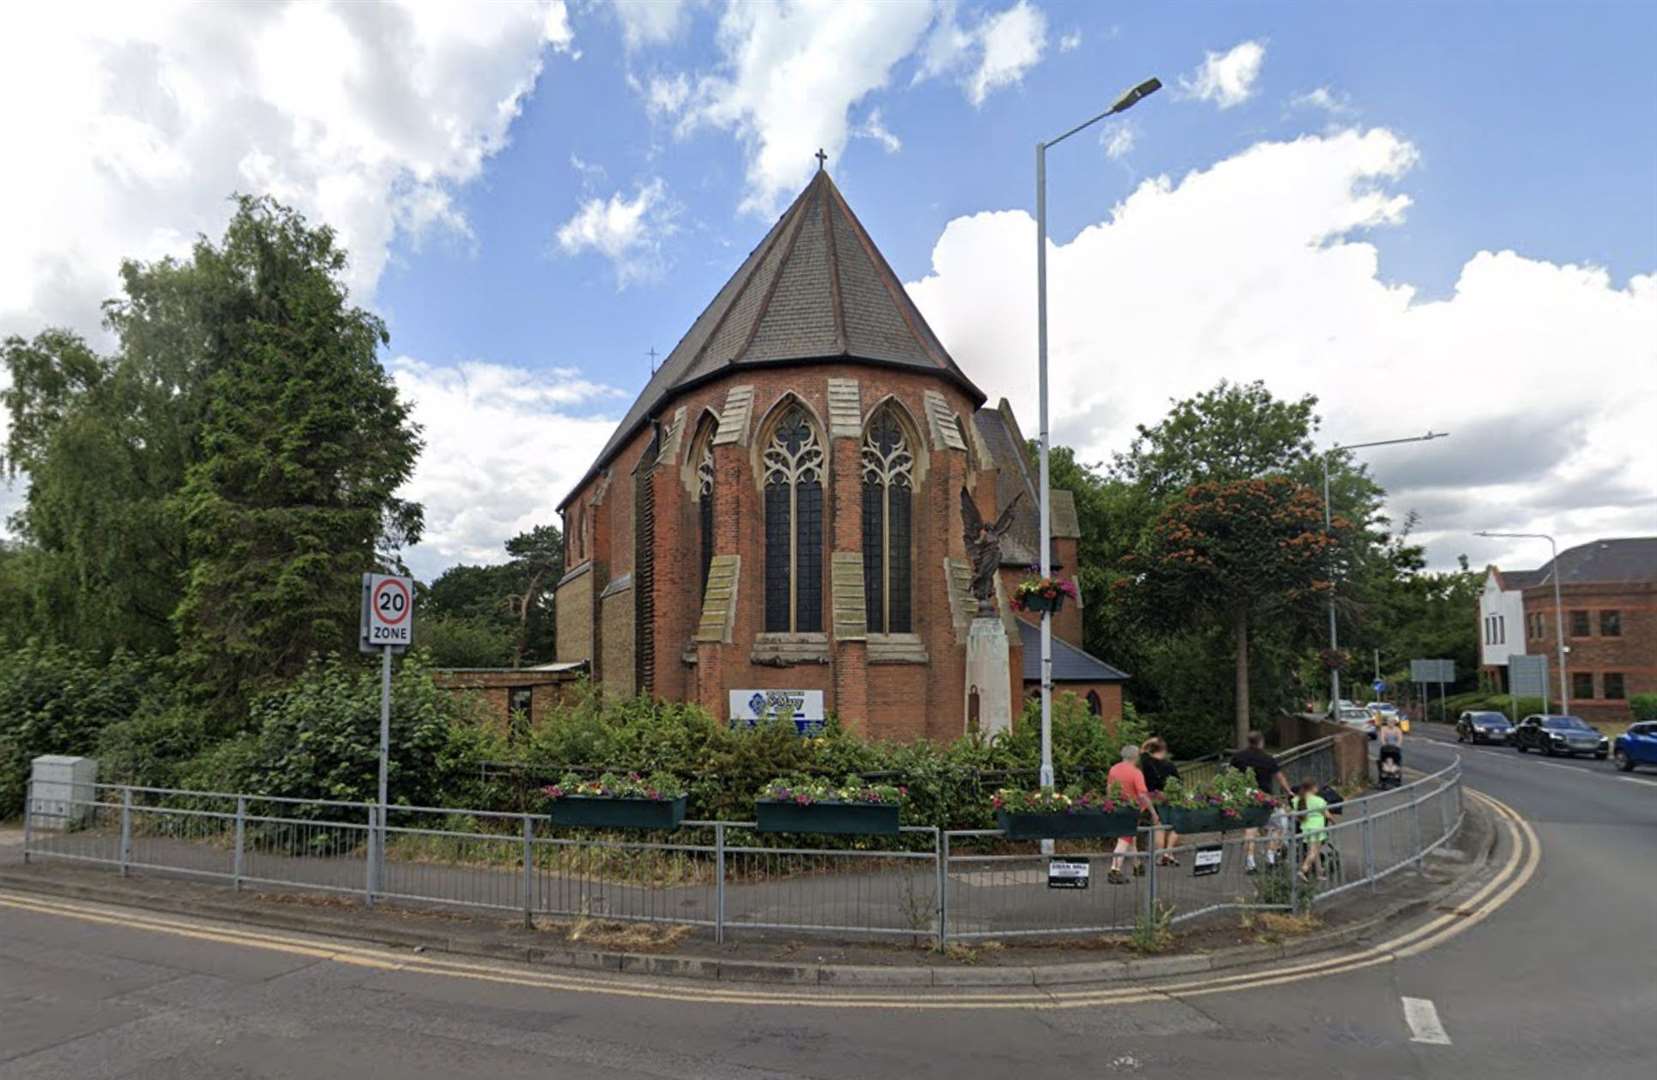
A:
x,y
1644,706
55,700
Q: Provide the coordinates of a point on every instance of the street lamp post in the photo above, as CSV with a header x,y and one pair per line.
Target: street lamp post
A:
x,y
1328,527
1558,611
1123,103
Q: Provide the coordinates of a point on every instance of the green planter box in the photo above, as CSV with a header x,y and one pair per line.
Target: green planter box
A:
x,y
827,817
1206,819
1082,823
600,812
1199,819
1037,602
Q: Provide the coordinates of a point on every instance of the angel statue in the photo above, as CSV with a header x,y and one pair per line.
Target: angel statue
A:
x,y
984,548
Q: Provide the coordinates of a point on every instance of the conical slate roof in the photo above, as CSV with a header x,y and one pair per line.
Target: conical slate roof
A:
x,y
816,289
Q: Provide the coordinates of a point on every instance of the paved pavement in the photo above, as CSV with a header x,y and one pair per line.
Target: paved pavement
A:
x,y
1562,979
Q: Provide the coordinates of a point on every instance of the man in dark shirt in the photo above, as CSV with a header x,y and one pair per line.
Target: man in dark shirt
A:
x,y
1268,777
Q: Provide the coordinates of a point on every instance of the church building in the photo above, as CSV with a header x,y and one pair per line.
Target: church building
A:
x,y
778,521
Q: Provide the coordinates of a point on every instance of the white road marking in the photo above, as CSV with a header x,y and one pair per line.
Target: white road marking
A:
x,y
1422,1017
1637,780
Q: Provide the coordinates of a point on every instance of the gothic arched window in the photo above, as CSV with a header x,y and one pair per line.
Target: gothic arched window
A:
x,y
793,471
704,498
1094,704
888,512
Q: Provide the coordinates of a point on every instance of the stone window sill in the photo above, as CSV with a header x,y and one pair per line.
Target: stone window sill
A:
x,y
788,650
896,649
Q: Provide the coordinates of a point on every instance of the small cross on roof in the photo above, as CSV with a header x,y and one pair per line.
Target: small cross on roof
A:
x,y
821,157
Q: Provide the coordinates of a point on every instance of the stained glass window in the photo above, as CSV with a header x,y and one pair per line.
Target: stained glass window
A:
x,y
704,500
793,471
888,511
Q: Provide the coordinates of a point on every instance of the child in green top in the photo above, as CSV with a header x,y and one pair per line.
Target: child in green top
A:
x,y
1314,826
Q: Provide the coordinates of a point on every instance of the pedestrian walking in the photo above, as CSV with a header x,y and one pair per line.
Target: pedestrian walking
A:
x,y
1268,777
1389,764
1158,769
1310,809
1127,778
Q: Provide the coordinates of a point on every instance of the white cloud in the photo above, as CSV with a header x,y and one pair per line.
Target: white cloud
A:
x,y
1258,267
666,94
628,232
1323,98
1227,78
140,119
1118,139
503,446
995,53
874,128
791,71
650,22
1071,41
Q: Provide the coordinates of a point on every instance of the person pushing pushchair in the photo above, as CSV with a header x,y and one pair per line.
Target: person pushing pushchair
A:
x,y
1389,765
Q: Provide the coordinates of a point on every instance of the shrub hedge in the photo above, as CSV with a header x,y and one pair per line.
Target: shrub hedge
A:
x,y
318,738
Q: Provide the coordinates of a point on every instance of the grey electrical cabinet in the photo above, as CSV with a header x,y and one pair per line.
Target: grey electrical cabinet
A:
x,y
62,790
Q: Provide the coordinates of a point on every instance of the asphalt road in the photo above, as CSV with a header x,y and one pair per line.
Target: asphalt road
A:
x,y
1561,980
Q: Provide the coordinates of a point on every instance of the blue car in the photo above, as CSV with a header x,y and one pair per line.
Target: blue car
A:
x,y
1636,746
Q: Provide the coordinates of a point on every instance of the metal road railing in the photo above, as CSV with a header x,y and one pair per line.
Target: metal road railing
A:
x,y
724,876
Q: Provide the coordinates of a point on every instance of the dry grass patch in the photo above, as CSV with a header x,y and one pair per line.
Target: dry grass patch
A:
x,y
614,934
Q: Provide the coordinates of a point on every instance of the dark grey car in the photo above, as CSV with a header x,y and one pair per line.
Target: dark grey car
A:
x,y
1482,726
1559,735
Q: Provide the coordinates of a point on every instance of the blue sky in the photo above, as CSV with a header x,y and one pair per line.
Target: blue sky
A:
x,y
1424,213
1534,123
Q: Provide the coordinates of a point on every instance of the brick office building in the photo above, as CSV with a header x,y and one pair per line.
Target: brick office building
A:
x,y
779,511
1608,592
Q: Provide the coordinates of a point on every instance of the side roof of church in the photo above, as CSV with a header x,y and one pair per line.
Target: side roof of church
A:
x,y
816,289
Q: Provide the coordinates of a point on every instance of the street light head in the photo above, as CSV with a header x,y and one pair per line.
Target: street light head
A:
x,y
1132,97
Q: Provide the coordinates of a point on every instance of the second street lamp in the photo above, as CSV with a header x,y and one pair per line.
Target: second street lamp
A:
x,y
1123,103
1334,642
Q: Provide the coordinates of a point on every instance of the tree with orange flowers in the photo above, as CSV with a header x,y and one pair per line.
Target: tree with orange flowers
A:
x,y
1235,553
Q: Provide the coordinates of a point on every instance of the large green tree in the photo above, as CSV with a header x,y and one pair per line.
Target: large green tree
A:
x,y
304,444
217,482
1233,555
487,616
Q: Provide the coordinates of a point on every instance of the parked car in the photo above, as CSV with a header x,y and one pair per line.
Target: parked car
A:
x,y
1383,711
1636,746
1559,735
1483,727
1361,719
1343,703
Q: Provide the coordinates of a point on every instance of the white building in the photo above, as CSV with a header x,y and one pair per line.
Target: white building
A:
x,y
1502,615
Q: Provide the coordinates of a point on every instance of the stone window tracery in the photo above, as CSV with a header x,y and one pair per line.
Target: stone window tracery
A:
x,y
792,467
888,516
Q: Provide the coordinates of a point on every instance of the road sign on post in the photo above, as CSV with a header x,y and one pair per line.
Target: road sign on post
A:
x,y
387,624
387,611
1527,676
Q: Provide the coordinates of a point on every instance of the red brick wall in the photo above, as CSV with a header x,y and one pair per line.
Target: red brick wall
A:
x,y
492,687
887,700
1633,654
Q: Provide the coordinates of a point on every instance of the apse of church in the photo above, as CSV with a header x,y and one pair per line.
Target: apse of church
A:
x,y
776,525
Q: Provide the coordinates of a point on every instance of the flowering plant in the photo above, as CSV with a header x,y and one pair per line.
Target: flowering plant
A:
x,y
1071,800
1334,659
657,787
1047,588
804,791
1230,791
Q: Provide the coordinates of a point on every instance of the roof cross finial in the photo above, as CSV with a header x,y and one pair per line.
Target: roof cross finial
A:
x,y
821,157
652,355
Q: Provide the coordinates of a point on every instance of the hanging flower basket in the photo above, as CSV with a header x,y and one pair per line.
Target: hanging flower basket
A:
x,y
1043,593
816,806
617,802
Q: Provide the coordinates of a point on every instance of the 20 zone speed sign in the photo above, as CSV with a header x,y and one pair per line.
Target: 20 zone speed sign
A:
x,y
388,611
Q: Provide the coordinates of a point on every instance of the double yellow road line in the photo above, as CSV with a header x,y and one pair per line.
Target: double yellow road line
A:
x,y
1523,857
